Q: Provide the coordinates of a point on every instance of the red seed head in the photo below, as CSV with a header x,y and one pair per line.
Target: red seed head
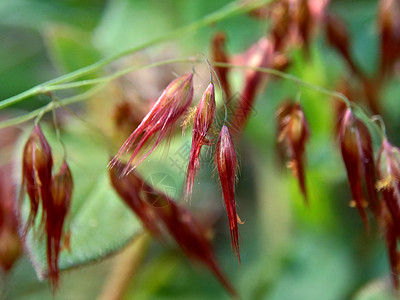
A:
x,y
337,35
10,243
293,133
338,38
388,170
61,194
280,18
205,111
259,55
61,188
177,94
159,122
357,153
225,159
37,164
218,54
130,189
156,210
389,27
191,238
203,119
392,238
303,21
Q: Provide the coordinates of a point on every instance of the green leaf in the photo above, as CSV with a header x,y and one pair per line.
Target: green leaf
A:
x,y
70,48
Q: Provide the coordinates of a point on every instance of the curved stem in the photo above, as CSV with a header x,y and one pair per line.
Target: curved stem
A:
x,y
33,114
228,11
290,77
212,71
382,126
103,80
116,75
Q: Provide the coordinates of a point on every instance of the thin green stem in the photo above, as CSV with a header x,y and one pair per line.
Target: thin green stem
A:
x,y
382,126
113,76
57,128
228,11
103,80
290,77
67,101
212,70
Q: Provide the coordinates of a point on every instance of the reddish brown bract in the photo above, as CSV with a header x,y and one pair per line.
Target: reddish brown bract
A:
x,y
388,169
339,39
293,133
191,237
156,210
259,55
225,160
129,188
61,192
389,27
10,243
37,163
159,123
218,54
203,119
356,145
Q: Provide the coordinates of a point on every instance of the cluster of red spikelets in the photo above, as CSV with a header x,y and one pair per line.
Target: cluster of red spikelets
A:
x,y
160,122
366,176
50,192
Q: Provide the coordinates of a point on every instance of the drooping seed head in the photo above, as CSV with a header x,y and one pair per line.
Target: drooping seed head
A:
x,y
191,238
225,160
218,54
159,122
392,238
293,134
37,164
61,194
357,153
388,170
203,120
303,21
259,55
280,19
338,37
10,242
389,27
130,188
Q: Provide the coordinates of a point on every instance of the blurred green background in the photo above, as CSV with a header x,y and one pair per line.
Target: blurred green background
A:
x,y
288,251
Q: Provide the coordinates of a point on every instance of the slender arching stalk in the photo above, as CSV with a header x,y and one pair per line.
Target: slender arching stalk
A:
x,y
228,11
101,81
